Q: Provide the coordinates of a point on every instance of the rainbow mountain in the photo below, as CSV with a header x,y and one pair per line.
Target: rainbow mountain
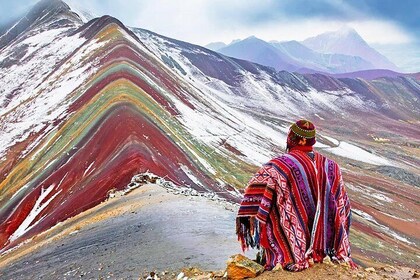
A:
x,y
87,105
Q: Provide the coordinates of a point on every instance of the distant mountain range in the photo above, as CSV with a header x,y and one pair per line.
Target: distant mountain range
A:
x,y
333,52
347,41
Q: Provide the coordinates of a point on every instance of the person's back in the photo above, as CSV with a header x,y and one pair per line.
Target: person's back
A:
x,y
301,207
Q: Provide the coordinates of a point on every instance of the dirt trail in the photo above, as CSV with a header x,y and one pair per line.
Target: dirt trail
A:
x,y
149,229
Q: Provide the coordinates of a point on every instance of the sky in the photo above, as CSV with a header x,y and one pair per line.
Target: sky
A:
x,y
379,22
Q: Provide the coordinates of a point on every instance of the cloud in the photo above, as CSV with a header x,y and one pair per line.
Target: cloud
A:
x,y
381,32
405,13
11,10
218,20
204,21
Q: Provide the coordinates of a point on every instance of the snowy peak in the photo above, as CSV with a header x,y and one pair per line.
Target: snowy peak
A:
x,y
84,15
248,40
252,37
347,41
215,46
49,11
340,41
349,34
347,31
46,14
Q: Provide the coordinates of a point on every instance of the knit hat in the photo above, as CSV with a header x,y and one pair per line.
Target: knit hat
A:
x,y
301,133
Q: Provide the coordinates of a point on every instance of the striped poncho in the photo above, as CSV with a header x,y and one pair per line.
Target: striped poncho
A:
x,y
296,208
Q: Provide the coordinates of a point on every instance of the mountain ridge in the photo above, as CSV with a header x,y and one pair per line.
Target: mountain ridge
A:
x,y
295,56
43,11
341,51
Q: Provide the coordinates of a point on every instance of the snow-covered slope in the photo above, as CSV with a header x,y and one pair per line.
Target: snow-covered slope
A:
x,y
46,14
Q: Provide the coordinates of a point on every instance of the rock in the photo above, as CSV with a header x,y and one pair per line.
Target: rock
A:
x,y
240,267
278,267
416,275
361,275
370,269
203,277
346,265
219,273
195,271
389,268
180,276
327,260
152,276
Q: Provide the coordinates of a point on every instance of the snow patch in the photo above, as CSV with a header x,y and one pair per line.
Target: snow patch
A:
x,y
87,169
350,151
370,193
384,229
332,140
25,226
188,172
382,197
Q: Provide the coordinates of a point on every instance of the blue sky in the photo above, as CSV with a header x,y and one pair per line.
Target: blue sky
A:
x,y
379,22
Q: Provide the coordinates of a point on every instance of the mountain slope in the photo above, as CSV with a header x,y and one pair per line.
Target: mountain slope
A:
x,y
348,41
112,123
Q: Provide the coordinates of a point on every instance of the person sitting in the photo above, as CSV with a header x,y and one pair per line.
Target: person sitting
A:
x,y
296,208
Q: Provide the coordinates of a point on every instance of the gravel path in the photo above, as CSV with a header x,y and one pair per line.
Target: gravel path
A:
x,y
149,229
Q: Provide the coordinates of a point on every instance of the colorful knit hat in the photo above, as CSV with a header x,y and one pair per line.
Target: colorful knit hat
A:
x,y
301,133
